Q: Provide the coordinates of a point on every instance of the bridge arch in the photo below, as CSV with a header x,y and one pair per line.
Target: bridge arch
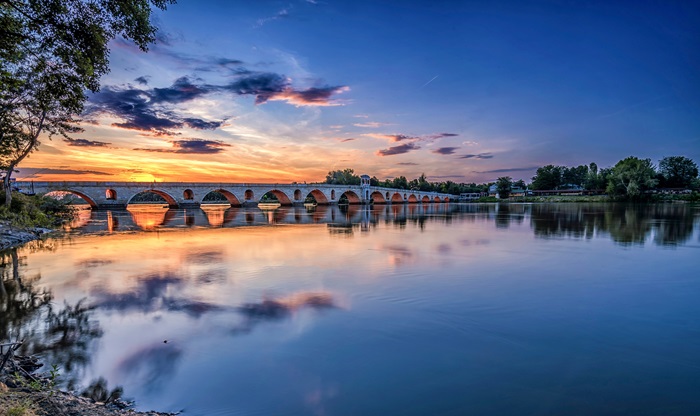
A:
x,y
82,195
248,195
412,199
281,196
352,197
436,199
447,199
297,194
319,196
396,197
378,198
230,196
188,195
168,198
426,198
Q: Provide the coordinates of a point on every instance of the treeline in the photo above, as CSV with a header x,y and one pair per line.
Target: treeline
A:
x,y
630,177
348,177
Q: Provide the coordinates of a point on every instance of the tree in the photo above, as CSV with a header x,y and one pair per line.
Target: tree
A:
x,y
423,184
400,183
547,177
632,176
51,52
575,175
503,185
343,177
677,171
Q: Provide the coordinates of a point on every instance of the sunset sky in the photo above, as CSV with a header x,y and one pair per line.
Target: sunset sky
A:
x,y
280,91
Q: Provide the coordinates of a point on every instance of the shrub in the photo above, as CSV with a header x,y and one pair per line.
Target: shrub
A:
x,y
35,211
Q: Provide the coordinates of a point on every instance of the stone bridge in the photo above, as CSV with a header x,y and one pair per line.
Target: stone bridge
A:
x,y
105,195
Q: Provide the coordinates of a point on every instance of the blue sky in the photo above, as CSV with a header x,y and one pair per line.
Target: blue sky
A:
x,y
468,91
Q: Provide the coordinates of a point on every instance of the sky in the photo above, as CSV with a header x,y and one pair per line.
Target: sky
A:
x,y
467,91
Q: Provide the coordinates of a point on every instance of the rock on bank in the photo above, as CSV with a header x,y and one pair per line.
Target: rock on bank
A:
x,y
12,236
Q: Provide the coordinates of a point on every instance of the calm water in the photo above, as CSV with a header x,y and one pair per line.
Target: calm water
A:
x,y
402,310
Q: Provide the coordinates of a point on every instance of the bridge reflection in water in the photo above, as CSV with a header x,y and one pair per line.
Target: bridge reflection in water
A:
x,y
667,224
157,217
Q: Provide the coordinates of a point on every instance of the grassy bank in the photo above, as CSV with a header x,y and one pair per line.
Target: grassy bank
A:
x,y
31,211
656,198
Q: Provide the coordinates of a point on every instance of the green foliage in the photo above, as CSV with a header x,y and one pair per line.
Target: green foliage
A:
x,y
677,172
596,179
35,211
503,186
25,408
342,177
547,177
630,178
269,197
51,53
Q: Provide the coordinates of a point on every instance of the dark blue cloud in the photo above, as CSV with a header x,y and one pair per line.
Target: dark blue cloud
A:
x,y
508,170
182,90
143,109
267,86
198,123
262,85
148,109
228,62
25,172
143,80
445,150
85,142
397,150
478,156
439,136
192,146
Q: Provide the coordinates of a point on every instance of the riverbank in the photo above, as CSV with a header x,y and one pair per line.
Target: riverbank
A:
x,y
25,393
25,402
11,236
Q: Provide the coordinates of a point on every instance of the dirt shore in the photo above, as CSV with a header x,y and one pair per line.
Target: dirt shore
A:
x,y
25,402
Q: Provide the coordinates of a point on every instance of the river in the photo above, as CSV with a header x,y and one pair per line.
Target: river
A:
x,y
436,309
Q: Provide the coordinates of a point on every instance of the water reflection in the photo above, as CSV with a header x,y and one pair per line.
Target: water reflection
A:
x,y
60,336
664,224
309,317
668,224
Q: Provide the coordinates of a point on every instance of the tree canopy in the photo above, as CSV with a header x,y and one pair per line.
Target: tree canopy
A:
x,y
503,186
631,177
547,177
677,171
343,177
51,53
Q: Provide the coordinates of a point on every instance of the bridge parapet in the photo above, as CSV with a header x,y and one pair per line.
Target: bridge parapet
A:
x,y
119,194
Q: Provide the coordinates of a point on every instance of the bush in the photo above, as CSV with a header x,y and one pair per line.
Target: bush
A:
x,y
35,211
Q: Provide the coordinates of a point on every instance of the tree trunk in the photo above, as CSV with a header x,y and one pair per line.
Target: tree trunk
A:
x,y
23,154
8,188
